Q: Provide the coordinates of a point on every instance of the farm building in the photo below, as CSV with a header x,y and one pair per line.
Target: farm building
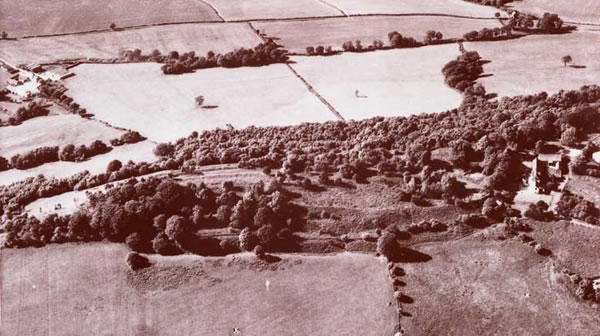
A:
x,y
56,73
547,174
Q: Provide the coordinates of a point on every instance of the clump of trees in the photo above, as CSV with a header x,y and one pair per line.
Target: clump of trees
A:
x,y
539,211
129,137
489,34
494,3
319,51
32,110
462,73
263,54
398,41
432,37
574,206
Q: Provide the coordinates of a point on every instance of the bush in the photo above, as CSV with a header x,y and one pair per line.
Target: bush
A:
x,y
137,261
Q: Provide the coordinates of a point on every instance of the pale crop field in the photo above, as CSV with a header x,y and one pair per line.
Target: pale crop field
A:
x,y
444,7
297,35
54,130
482,286
580,11
138,152
272,9
533,64
198,37
398,82
162,107
88,290
44,17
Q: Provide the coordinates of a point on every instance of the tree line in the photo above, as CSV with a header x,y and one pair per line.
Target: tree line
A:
x,y
265,53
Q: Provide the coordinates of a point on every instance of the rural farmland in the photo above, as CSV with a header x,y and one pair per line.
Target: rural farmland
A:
x,y
47,17
576,11
200,37
440,7
66,129
389,83
297,35
306,167
313,293
512,72
136,96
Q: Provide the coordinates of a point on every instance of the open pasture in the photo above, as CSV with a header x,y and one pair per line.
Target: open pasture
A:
x,y
138,152
533,64
162,107
575,246
88,290
398,82
54,130
272,9
580,11
443,7
45,17
478,286
199,37
297,35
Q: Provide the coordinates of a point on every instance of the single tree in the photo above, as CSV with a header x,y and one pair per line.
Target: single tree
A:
x,y
4,35
113,26
566,59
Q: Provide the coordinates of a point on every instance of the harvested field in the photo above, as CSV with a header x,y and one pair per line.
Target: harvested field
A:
x,y
398,82
27,17
580,11
55,130
88,289
575,246
138,152
479,286
444,7
271,9
162,107
533,64
201,37
297,35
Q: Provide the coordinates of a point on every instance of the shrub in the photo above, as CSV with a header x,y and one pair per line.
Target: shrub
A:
x,y
137,261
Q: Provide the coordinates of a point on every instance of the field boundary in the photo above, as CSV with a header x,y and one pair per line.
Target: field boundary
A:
x,y
309,18
314,92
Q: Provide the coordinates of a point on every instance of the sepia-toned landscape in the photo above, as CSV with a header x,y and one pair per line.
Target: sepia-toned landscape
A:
x,y
312,167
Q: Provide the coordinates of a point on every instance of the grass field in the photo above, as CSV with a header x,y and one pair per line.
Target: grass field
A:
x,y
575,246
140,97
297,35
397,82
533,64
55,130
88,290
271,9
42,17
138,152
448,7
580,11
477,286
200,37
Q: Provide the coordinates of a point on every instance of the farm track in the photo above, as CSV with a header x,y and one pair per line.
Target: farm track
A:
x,y
214,9
334,7
312,18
